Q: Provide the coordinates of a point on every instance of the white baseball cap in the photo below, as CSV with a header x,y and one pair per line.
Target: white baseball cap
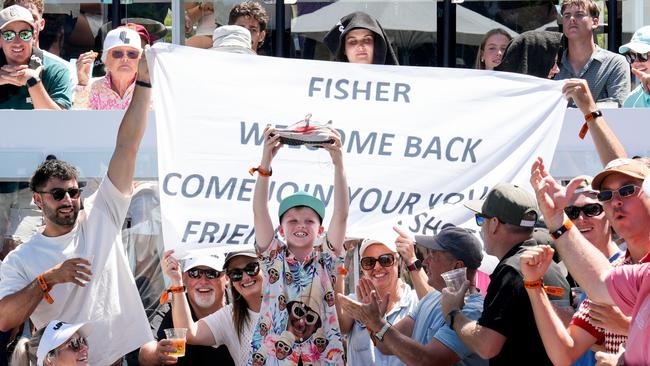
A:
x,y
214,261
639,43
56,333
368,242
121,37
232,38
15,13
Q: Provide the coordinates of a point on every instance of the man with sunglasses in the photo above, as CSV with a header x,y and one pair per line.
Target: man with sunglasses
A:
x,y
606,72
205,282
637,53
506,332
75,269
627,207
28,78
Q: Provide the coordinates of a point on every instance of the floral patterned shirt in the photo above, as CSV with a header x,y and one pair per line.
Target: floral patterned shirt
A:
x,y
100,96
298,318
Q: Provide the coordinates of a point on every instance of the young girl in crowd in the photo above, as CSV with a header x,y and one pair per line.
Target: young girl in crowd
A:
x,y
298,323
231,325
58,344
492,48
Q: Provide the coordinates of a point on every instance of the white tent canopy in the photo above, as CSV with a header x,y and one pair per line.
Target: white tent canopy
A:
x,y
396,15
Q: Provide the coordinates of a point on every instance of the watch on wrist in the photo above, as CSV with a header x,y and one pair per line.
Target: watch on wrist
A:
x,y
451,316
415,266
33,81
380,335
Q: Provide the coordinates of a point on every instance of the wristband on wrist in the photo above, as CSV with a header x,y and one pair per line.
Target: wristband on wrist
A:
x,y
260,171
46,289
143,84
451,316
566,226
589,117
174,289
551,290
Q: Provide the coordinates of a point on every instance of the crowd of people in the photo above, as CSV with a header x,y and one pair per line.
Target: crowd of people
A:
x,y
572,285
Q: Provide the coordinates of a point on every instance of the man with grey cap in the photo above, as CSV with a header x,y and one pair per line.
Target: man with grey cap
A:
x,y
423,337
506,332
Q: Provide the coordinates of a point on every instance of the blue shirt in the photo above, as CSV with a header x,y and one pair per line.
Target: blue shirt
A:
x,y
361,351
637,99
430,324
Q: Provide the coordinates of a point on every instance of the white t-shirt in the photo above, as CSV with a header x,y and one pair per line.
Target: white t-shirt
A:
x,y
223,329
110,301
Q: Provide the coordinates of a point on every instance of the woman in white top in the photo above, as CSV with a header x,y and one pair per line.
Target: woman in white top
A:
x,y
57,344
233,324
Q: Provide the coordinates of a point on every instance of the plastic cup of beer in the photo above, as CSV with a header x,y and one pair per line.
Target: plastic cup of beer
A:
x,y
455,278
177,336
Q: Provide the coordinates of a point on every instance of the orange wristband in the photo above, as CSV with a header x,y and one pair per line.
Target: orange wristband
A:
x,y
341,270
551,290
261,171
45,288
589,117
174,289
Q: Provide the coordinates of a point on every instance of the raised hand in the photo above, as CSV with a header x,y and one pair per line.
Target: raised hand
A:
x,y
578,90
75,270
368,314
172,268
405,245
271,146
552,197
143,67
335,148
367,293
535,261
84,63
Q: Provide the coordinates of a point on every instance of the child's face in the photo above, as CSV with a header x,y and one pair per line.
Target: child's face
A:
x,y
300,227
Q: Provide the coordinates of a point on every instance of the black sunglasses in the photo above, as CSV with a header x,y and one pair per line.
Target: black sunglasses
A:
x,y
590,210
237,274
632,57
210,274
385,260
625,191
59,193
25,35
116,54
76,344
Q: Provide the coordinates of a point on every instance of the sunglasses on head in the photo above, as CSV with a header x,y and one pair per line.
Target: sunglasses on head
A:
x,y
633,57
300,311
210,274
385,260
59,193
237,274
625,191
25,35
590,210
117,54
76,344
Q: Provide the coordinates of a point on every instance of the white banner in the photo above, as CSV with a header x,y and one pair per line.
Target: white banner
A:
x,y
418,142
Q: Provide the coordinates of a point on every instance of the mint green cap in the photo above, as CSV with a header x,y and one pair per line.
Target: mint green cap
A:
x,y
302,199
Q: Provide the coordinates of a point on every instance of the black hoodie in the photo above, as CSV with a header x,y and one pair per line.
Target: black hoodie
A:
x,y
383,53
532,53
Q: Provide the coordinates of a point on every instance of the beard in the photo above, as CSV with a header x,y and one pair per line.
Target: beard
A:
x,y
204,300
53,215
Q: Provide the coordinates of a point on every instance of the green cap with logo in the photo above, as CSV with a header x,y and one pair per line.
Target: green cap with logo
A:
x,y
302,199
509,203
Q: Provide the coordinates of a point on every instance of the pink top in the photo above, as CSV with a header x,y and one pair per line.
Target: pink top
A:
x,y
629,287
100,96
